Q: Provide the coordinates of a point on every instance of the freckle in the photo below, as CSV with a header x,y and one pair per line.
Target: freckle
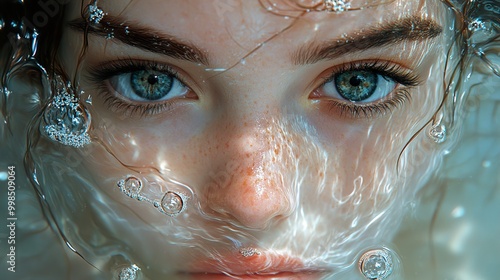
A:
x,y
249,171
265,195
227,144
321,174
276,151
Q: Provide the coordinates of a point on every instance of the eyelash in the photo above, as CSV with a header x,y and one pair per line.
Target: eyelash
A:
x,y
100,74
395,99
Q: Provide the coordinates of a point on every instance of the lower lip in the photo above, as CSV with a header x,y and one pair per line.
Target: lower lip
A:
x,y
312,275
254,267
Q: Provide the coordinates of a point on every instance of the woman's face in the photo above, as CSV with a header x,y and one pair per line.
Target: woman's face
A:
x,y
287,134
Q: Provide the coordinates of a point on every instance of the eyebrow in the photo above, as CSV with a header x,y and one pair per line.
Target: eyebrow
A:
x,y
142,37
406,29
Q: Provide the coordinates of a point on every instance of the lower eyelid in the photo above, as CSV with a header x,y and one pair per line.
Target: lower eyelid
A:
x,y
372,110
118,104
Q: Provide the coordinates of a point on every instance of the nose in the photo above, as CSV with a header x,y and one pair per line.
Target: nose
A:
x,y
247,184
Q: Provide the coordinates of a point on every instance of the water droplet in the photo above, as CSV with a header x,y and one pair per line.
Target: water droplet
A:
x,y
376,264
215,69
132,185
486,164
172,203
249,252
337,5
110,35
89,100
126,30
129,273
438,133
95,14
2,23
476,25
243,61
67,121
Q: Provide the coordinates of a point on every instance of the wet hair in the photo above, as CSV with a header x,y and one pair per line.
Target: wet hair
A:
x,y
46,17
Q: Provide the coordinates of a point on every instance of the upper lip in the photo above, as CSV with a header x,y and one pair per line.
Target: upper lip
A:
x,y
262,263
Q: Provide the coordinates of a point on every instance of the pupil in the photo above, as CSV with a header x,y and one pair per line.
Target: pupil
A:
x,y
152,79
355,81
356,85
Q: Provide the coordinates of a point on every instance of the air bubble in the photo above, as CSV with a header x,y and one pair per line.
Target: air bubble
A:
x,y
67,121
89,100
438,133
95,14
376,264
110,35
172,203
337,5
129,273
132,185
476,25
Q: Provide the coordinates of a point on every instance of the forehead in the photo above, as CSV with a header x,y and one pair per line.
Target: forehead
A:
x,y
244,24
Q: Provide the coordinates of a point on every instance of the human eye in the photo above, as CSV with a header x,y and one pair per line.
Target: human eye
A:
x,y
366,89
139,87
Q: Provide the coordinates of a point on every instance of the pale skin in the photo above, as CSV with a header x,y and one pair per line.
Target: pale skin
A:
x,y
243,116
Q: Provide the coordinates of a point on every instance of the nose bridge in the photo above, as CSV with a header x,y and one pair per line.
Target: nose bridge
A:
x,y
246,184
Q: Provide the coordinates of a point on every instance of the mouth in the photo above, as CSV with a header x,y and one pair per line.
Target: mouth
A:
x,y
258,265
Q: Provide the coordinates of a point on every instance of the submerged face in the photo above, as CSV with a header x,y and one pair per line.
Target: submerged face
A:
x,y
285,135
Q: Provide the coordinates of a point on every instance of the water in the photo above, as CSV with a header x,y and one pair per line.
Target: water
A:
x,y
172,204
128,201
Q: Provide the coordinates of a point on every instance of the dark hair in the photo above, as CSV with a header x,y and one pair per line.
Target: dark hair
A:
x,y
22,18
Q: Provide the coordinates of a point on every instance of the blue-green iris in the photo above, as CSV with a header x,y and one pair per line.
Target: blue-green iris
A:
x,y
151,85
356,85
